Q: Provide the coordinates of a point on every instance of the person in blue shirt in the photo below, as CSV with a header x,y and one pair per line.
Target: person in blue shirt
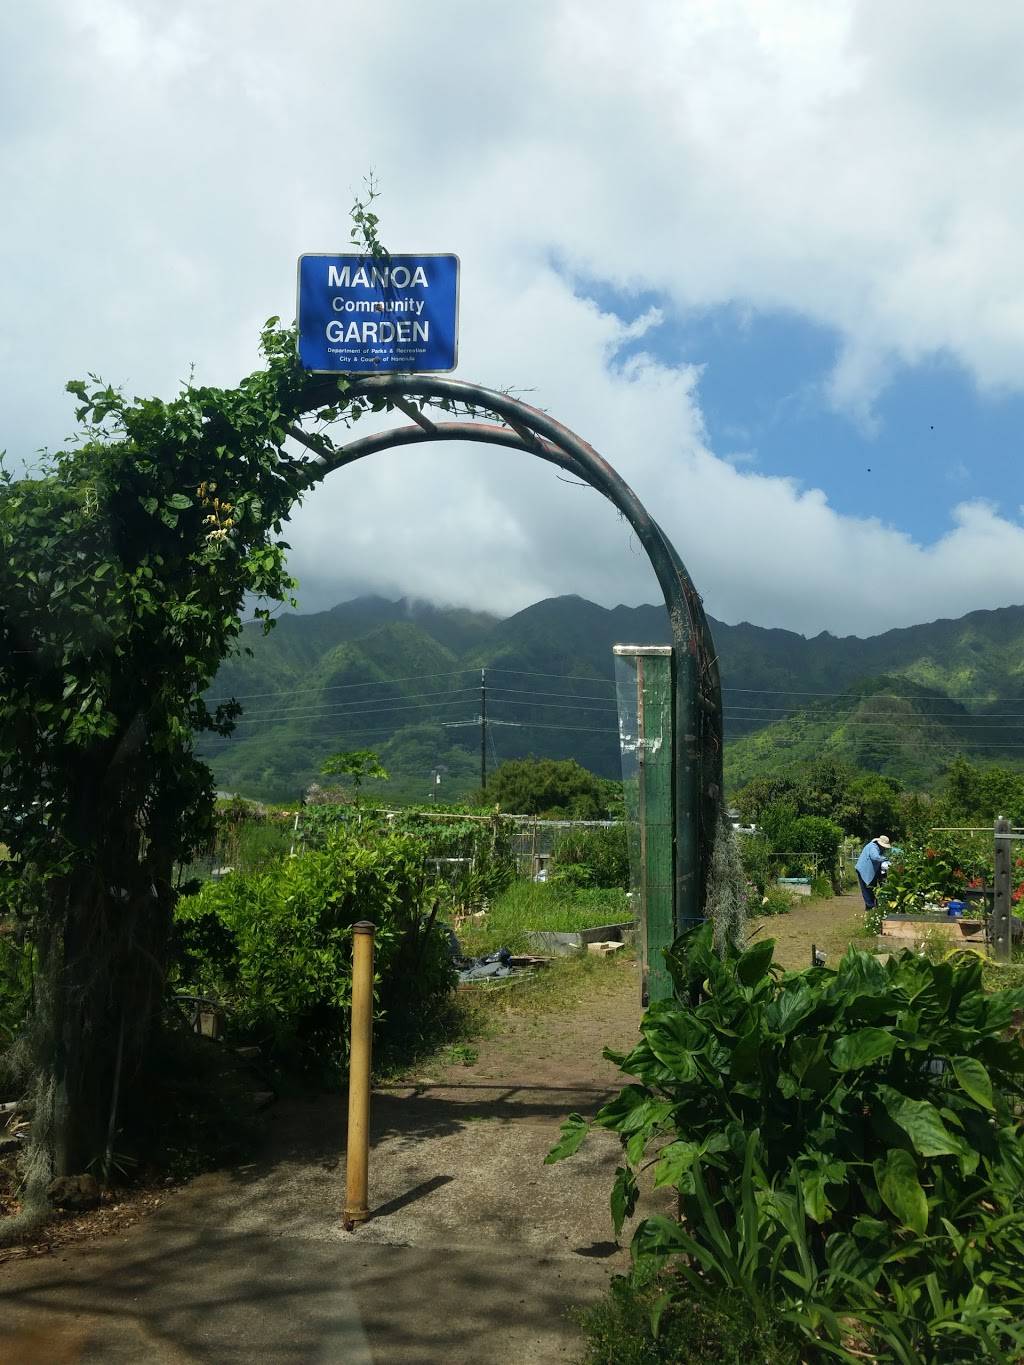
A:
x,y
869,867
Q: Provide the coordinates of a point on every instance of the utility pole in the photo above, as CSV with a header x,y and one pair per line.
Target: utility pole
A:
x,y
483,729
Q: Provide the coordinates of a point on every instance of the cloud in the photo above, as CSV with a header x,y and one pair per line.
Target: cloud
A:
x,y
163,167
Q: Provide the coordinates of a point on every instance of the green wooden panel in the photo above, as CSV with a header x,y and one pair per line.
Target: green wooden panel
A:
x,y
657,825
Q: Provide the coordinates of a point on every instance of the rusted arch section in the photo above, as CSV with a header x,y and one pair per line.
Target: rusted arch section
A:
x,y
697,760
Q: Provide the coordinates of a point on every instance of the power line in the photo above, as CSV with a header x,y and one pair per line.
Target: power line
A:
x,y
565,677
536,692
338,687
894,722
769,691
327,713
961,727
951,717
923,696
386,730
300,734
599,682
910,722
553,706
579,729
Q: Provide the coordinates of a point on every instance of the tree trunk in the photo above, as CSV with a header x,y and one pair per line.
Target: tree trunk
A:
x,y
102,966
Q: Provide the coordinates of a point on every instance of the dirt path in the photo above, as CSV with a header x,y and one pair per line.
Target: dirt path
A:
x,y
831,925
475,1252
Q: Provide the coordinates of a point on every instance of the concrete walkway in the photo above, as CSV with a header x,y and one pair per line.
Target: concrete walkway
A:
x,y
476,1250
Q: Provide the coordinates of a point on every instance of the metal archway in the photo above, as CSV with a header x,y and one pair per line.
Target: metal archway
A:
x,y
697,757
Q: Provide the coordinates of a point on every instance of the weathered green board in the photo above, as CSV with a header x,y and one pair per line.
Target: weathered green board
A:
x,y
645,679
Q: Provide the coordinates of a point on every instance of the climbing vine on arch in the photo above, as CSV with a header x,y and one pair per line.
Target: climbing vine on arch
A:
x,y
125,563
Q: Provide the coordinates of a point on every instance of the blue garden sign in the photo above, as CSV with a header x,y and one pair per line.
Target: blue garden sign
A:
x,y
361,315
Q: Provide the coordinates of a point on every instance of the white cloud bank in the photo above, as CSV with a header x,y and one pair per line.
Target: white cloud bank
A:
x,y
163,166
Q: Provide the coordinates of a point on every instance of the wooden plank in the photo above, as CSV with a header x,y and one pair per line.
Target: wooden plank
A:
x,y
1001,901
658,823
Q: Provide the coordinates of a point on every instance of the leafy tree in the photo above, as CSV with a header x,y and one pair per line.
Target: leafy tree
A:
x,y
872,805
123,572
979,794
556,787
823,788
753,800
124,567
358,764
861,803
795,840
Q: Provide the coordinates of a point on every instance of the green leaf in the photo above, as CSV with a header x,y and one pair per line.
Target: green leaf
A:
x,y
657,1311
573,1130
922,1123
804,1052
674,1162
792,1007
623,1198
816,1172
179,502
862,1048
754,963
974,1080
901,1190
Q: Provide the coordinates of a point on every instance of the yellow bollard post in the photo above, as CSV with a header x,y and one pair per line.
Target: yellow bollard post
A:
x,y
357,1149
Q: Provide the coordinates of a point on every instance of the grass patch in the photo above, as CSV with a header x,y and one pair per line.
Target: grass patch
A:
x,y
566,985
998,976
529,906
691,1331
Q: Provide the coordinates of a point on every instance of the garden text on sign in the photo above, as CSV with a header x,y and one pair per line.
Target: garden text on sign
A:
x,y
363,315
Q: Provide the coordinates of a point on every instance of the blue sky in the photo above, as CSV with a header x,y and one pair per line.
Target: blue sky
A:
x,y
929,441
933,439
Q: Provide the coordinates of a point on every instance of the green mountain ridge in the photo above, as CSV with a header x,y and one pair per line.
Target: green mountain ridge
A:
x,y
404,678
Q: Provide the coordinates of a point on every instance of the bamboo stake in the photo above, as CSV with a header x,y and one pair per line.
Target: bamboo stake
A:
x,y
357,1149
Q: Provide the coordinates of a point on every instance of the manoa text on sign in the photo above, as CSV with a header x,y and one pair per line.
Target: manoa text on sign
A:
x,y
361,314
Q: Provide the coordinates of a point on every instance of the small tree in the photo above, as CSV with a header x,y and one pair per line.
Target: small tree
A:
x,y
357,764
561,788
124,568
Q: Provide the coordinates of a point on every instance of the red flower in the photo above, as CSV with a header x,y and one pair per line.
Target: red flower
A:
x,y
929,853
1018,895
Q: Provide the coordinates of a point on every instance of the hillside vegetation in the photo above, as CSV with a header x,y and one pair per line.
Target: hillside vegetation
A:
x,y
404,677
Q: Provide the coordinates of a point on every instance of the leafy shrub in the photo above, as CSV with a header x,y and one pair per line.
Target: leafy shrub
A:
x,y
929,873
846,1146
275,946
16,970
597,857
775,901
758,865
802,845
823,840
821,888
458,842
557,788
